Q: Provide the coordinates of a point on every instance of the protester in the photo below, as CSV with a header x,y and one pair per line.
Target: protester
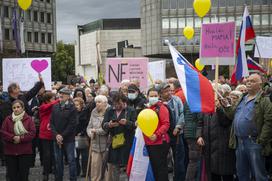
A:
x,y
63,125
79,92
119,120
178,91
213,135
99,138
251,132
45,133
18,130
235,96
158,144
175,107
135,99
124,90
242,88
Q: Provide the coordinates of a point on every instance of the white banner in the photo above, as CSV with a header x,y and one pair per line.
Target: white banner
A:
x,y
157,71
265,47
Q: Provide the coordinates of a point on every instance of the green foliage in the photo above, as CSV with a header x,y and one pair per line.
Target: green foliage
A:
x,y
63,63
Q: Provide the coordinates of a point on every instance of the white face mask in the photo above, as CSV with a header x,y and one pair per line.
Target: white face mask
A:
x,y
132,96
153,100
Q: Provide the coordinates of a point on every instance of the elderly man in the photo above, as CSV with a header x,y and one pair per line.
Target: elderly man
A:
x,y
251,133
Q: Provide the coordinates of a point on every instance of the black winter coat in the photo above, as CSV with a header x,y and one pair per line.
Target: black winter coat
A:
x,y
138,104
63,121
83,118
120,155
6,108
215,130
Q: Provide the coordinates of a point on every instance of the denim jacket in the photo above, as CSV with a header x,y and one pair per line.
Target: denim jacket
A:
x,y
176,107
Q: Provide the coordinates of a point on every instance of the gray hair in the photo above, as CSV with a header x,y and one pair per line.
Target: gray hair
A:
x,y
101,98
236,93
226,88
240,86
103,90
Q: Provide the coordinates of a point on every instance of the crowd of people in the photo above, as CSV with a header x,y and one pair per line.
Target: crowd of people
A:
x,y
90,127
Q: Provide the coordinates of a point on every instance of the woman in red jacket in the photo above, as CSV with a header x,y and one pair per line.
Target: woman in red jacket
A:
x,y
45,133
158,143
18,130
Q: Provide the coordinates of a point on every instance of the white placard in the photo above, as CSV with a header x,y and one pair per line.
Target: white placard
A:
x,y
19,70
265,47
157,71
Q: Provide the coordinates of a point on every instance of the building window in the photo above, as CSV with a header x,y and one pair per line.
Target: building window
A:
x,y
247,2
181,4
265,19
256,19
214,19
7,34
165,23
206,20
265,2
49,38
173,23
165,4
35,16
231,2
36,37
48,18
231,18
257,2
29,37
43,37
239,20
173,4
215,3
222,19
181,23
42,17
28,15
197,22
48,1
6,11
222,3
189,3
190,22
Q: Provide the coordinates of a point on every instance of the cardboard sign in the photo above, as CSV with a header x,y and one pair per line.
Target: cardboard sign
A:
x,y
118,69
157,71
25,72
265,47
218,41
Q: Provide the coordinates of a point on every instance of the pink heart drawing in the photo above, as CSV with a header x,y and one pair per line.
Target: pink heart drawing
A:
x,y
39,65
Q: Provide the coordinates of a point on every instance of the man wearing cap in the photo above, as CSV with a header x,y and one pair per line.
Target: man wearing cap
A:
x,y
177,122
135,98
63,124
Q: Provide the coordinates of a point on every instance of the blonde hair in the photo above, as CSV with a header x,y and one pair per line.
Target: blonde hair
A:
x,y
79,100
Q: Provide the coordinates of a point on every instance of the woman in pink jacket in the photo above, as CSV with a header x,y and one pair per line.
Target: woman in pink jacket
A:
x,y
45,133
18,130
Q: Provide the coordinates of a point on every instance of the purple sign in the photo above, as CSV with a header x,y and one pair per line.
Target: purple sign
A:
x,y
118,69
218,40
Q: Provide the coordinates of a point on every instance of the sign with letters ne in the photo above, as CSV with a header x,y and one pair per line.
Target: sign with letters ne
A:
x,y
218,43
118,69
25,72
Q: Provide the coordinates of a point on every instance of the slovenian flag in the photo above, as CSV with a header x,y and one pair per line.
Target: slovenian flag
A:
x,y
196,87
246,33
139,167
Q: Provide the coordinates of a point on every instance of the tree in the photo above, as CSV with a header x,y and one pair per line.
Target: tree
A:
x,y
63,63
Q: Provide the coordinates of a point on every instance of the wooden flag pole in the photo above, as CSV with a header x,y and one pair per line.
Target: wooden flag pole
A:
x,y
216,76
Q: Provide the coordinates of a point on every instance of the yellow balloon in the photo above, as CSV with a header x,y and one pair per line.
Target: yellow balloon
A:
x,y
148,121
199,65
25,4
202,7
188,32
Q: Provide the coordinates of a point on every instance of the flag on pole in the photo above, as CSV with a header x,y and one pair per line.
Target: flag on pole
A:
x,y
1,36
246,33
196,87
139,167
22,37
15,30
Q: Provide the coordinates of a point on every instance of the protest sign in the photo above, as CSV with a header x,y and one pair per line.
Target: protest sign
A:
x,y
218,43
156,71
265,47
118,69
25,72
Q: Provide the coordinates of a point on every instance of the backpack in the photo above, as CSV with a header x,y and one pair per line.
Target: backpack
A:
x,y
171,119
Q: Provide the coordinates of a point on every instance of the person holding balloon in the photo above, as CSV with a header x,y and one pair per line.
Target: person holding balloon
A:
x,y
158,143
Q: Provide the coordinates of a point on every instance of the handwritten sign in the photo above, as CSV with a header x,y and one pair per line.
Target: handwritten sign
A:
x,y
157,71
25,72
118,69
218,41
265,47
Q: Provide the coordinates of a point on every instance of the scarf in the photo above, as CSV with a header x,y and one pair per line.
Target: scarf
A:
x,y
19,128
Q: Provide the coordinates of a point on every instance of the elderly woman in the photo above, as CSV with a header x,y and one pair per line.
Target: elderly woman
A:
x,y
18,130
235,96
242,88
98,137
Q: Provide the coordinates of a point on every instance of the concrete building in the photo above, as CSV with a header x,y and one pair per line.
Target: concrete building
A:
x,y
165,19
39,27
99,39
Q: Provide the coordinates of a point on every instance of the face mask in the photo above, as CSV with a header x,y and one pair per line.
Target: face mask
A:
x,y
156,86
153,100
132,96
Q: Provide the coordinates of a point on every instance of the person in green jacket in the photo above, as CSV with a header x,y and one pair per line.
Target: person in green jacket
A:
x,y
251,133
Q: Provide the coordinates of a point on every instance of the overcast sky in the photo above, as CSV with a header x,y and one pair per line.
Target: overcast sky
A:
x,y
77,12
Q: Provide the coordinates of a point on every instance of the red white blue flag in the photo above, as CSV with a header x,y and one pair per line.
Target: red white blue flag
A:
x,y
246,33
196,87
